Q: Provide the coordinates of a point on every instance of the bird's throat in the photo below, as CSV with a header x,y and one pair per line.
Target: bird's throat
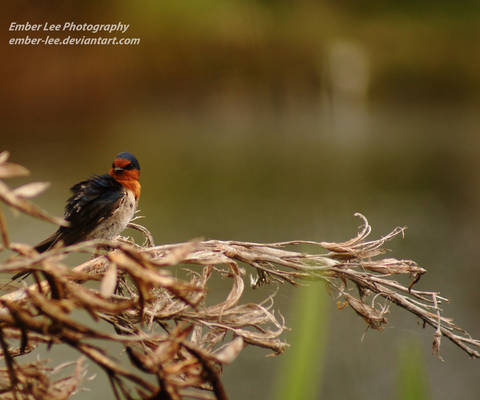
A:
x,y
132,185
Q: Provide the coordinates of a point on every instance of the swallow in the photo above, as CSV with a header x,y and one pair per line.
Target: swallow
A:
x,y
99,208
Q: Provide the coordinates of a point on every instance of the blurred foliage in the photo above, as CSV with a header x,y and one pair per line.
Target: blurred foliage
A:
x,y
263,53
412,381
301,370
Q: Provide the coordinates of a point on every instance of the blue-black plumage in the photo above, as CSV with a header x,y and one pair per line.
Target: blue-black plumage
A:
x,y
100,207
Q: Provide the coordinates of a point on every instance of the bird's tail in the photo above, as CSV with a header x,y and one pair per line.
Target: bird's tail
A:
x,y
43,246
48,243
20,276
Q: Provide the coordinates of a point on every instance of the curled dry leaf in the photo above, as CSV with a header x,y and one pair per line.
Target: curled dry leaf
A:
x,y
373,317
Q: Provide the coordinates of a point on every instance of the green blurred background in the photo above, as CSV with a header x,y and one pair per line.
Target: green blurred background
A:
x,y
276,120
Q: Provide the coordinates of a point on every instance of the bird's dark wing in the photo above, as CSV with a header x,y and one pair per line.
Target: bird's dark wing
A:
x,y
92,201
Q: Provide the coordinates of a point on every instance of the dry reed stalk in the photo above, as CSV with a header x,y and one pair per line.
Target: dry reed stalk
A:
x,y
164,324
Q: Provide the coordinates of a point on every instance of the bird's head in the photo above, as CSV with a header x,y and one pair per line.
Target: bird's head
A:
x,y
126,170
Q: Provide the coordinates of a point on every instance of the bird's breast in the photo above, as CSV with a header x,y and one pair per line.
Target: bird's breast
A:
x,y
113,225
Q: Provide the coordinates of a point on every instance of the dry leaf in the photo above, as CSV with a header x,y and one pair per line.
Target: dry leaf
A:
x,y
109,281
229,353
4,156
31,189
373,317
11,170
25,206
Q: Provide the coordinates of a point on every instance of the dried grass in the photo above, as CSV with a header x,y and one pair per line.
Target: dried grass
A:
x,y
163,323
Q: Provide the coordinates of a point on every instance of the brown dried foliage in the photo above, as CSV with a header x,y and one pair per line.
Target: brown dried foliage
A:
x,y
176,345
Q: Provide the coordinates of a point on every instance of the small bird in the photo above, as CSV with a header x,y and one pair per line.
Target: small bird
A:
x,y
99,208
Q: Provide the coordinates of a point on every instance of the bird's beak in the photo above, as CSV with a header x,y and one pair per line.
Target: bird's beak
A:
x,y
118,169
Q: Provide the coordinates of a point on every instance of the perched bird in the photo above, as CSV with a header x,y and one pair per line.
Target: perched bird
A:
x,y
100,207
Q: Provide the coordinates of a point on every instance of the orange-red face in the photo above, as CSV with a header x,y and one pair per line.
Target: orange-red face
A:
x,y
124,170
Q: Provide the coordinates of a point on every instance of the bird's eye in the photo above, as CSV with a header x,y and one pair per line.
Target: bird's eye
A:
x,y
129,166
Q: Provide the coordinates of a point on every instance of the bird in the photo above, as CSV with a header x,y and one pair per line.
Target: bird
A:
x,y
99,207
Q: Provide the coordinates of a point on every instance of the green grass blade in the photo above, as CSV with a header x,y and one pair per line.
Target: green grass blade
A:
x,y
412,380
300,375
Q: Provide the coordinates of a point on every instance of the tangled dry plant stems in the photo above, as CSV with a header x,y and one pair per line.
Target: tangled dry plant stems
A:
x,y
176,344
